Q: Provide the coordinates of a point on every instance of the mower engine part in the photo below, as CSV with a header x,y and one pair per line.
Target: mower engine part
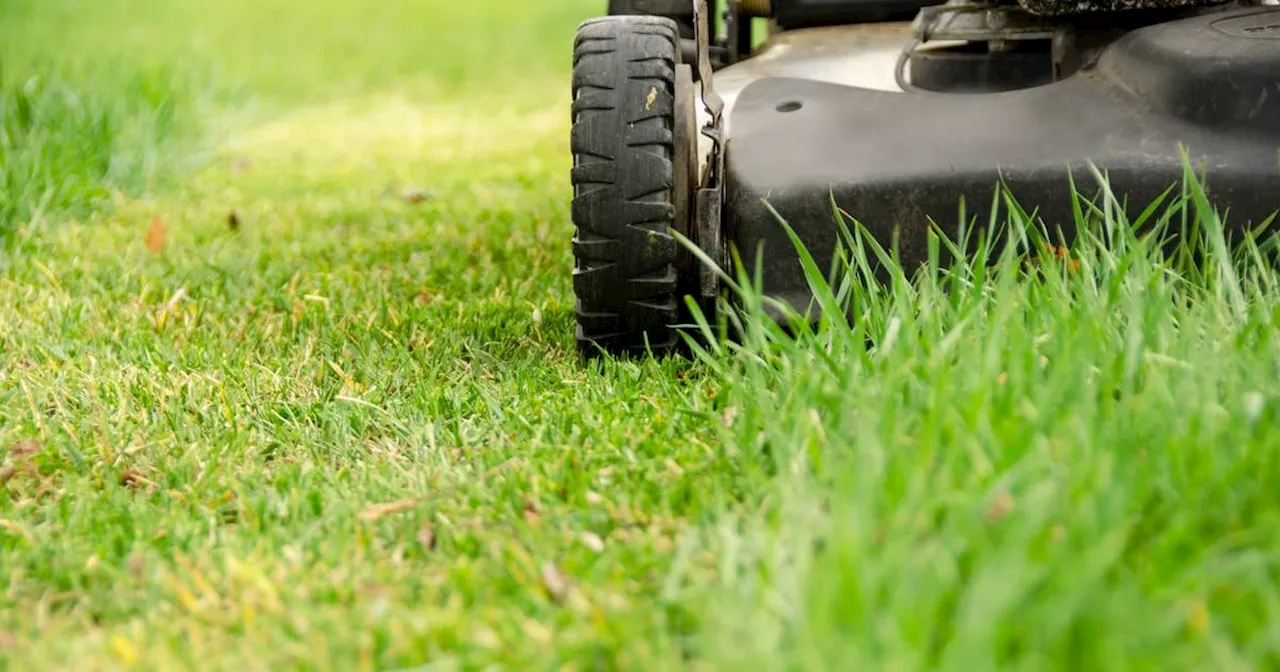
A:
x,y
793,14
1062,8
987,47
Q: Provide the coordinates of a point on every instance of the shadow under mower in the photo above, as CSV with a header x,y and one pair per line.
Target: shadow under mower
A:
x,y
897,109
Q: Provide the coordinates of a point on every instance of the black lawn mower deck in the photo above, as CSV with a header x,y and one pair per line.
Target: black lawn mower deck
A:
x,y
898,121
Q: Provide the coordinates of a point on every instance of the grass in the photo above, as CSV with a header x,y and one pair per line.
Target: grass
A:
x,y
351,431
65,149
1061,467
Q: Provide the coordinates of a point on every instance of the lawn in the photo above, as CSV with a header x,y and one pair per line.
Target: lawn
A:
x,y
287,380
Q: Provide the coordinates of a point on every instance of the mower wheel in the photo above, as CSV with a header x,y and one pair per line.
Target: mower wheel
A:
x,y
625,185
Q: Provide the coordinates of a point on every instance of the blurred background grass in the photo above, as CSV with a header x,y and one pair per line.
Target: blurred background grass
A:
x,y
100,96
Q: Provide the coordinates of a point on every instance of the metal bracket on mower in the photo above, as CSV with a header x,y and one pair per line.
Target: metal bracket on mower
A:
x,y
709,198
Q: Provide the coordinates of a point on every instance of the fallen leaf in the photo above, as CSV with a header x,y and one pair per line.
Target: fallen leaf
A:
x,y
531,512
427,537
136,564
999,507
24,450
19,458
8,640
156,235
554,581
378,511
1058,533
233,221
414,195
133,479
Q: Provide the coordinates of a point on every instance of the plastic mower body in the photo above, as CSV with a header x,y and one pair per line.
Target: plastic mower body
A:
x,y
898,111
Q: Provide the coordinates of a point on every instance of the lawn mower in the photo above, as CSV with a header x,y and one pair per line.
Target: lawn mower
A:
x,y
898,111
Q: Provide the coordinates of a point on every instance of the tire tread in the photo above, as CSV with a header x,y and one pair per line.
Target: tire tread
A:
x,y
625,278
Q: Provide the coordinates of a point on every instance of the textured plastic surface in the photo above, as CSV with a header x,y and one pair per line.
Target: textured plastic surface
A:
x,y
894,160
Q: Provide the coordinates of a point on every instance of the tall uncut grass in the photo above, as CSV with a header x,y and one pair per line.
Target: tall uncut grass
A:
x,y
1036,458
69,141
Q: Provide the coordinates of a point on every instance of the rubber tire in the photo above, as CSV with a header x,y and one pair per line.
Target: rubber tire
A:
x,y
625,259
681,11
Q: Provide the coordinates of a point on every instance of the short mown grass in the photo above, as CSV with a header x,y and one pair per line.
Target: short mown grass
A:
x,y
287,381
